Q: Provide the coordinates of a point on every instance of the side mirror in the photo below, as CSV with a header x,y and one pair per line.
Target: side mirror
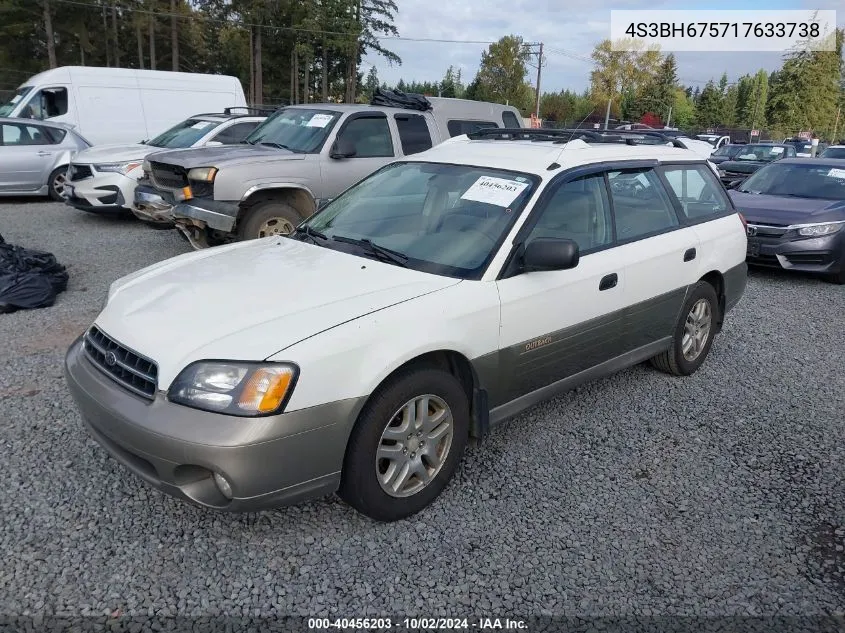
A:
x,y
342,148
550,253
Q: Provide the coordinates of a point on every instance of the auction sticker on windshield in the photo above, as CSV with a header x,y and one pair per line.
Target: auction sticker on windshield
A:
x,y
319,120
498,191
201,125
835,172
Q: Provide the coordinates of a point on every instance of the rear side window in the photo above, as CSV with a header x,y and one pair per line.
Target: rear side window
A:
x,y
413,132
510,120
699,193
461,126
236,133
641,206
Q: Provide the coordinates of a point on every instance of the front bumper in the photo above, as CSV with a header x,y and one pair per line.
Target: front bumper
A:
x,y
269,462
152,205
213,214
102,192
824,254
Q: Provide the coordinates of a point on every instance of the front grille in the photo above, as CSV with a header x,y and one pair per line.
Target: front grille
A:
x,y
129,369
79,172
766,230
168,176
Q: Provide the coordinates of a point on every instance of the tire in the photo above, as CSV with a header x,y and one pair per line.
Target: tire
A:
x,y
55,184
361,486
673,361
261,220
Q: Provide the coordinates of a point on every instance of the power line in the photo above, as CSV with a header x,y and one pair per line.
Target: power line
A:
x,y
294,29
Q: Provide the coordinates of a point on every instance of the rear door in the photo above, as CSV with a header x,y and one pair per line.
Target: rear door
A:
x,y
659,251
27,153
369,134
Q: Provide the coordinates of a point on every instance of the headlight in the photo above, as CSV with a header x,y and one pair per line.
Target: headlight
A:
x,y
120,168
147,166
235,388
817,230
202,174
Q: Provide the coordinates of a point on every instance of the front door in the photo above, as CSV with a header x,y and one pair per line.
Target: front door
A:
x,y
370,137
555,324
26,157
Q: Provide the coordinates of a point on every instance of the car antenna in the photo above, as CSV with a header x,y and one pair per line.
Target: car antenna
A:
x,y
578,127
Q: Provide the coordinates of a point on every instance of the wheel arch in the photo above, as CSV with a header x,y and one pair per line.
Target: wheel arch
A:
x,y
717,280
459,366
298,196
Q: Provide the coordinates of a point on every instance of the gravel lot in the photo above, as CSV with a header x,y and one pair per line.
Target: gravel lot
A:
x,y
719,494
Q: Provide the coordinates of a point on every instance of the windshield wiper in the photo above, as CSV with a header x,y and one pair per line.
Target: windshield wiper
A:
x,y
400,259
278,146
309,232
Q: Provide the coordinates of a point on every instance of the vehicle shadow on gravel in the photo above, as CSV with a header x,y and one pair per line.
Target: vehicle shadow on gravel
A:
x,y
785,276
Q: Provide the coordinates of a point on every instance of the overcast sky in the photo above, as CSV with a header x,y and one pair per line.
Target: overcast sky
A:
x,y
569,29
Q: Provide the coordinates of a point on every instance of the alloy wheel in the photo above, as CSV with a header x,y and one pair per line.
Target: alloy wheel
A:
x,y
414,445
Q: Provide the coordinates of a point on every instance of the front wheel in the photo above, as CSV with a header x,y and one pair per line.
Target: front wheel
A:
x,y
694,333
267,219
56,183
406,445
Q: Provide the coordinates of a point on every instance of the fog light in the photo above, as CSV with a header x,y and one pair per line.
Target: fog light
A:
x,y
223,485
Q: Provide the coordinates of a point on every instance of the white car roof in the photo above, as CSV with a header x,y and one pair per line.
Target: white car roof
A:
x,y
536,156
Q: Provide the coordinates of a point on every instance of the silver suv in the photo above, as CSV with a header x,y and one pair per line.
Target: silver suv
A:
x,y
297,160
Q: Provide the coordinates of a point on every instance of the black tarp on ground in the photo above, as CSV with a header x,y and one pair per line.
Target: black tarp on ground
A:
x,y
399,99
29,279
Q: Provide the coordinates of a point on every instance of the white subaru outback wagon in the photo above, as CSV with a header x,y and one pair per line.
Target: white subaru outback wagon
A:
x,y
427,303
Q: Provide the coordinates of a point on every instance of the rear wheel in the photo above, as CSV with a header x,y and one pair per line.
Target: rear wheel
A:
x,y
694,333
56,183
406,445
267,219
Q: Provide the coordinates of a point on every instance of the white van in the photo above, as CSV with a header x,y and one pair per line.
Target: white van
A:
x,y
121,105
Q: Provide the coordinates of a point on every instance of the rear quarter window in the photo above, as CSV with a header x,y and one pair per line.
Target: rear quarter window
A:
x,y
457,127
510,120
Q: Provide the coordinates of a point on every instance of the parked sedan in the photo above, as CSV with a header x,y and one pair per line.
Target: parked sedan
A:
x,y
34,156
795,209
834,151
752,158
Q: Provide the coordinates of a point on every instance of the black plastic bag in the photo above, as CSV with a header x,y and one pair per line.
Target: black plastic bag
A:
x,y
29,279
399,99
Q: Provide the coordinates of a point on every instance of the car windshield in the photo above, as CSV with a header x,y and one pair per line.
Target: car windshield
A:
x,y
833,152
438,218
20,93
800,180
302,130
726,150
762,153
184,134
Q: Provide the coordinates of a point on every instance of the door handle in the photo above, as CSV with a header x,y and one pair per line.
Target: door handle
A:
x,y
43,153
689,255
608,281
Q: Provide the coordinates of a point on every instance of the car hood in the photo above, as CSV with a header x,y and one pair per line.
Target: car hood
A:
x,y
718,160
112,153
224,155
742,166
250,300
763,209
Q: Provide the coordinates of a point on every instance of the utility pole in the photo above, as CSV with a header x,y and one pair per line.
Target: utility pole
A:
x,y
539,54
607,114
539,72
836,126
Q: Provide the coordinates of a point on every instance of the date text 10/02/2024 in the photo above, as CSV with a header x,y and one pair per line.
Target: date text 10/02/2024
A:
x,y
505,624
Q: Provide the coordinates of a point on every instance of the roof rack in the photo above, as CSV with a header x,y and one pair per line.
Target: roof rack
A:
x,y
251,111
628,137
